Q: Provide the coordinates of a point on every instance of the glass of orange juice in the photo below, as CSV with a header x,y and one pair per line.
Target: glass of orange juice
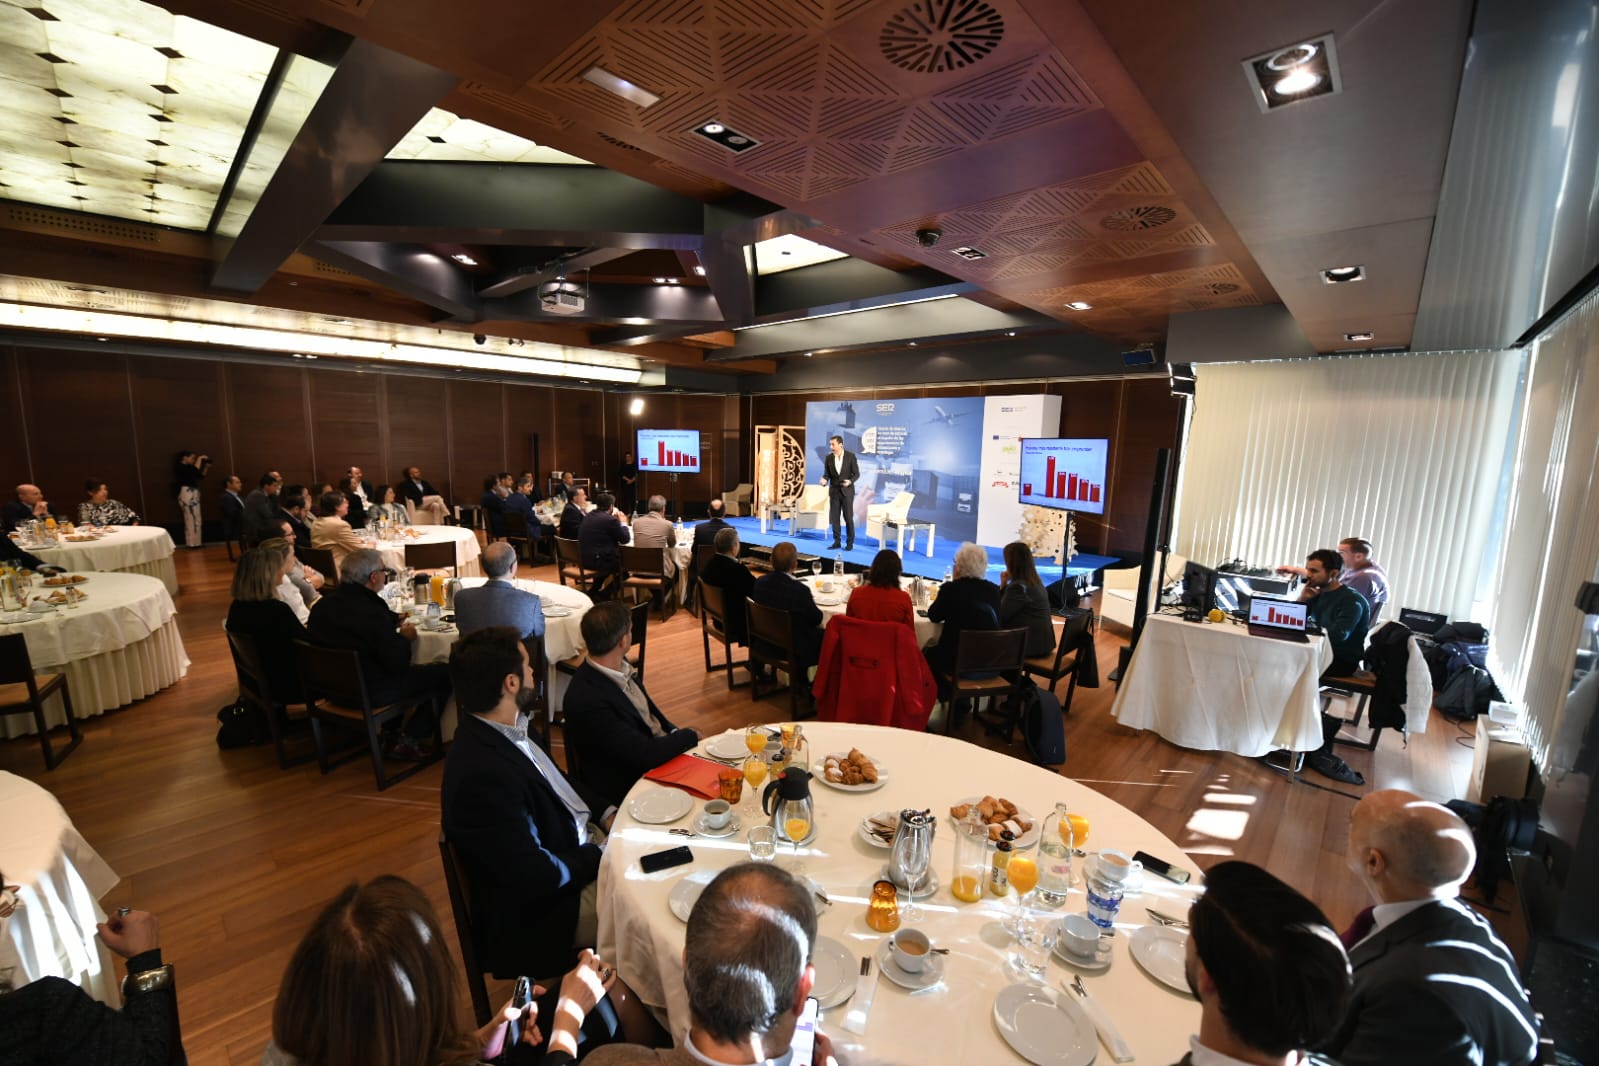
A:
x,y
754,774
755,738
436,588
1022,872
797,829
1079,827
971,862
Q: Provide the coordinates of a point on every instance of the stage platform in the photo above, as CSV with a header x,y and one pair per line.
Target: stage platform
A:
x,y
814,542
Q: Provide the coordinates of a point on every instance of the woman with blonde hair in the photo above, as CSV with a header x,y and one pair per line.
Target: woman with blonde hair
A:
x,y
258,613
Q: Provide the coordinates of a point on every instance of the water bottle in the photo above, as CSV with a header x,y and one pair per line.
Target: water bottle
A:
x,y
838,565
1055,858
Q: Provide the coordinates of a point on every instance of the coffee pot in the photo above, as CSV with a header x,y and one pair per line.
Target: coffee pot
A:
x,y
788,800
451,587
913,837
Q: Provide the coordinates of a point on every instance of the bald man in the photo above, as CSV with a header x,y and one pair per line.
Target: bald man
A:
x,y
29,504
1433,985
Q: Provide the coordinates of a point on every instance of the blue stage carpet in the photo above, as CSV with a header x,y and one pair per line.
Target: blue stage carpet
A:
x,y
815,542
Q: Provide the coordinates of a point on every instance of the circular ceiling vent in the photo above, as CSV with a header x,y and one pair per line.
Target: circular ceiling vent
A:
x,y
608,139
1132,219
934,36
1220,288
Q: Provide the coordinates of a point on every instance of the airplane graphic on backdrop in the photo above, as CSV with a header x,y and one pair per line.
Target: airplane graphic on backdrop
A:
x,y
943,417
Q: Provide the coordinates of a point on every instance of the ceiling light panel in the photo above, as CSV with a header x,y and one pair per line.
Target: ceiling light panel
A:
x,y
130,74
300,86
441,135
790,253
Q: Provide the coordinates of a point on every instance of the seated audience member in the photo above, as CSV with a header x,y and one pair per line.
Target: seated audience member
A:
x,y
492,504
747,971
101,510
566,488
1023,601
232,505
1433,985
653,529
705,533
970,601
1363,574
498,602
261,508
781,590
51,1020
29,504
260,611
373,982
421,494
388,509
879,598
299,585
572,514
1343,616
292,508
520,501
355,511
330,530
1267,968
599,539
618,731
735,581
353,616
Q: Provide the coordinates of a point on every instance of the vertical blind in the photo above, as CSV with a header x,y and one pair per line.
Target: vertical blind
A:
x,y
1551,542
1404,450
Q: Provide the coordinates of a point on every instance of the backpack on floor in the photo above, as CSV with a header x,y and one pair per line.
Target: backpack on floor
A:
x,y
1043,725
241,725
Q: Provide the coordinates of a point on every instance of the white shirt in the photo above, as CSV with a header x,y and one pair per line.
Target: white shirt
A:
x,y
291,596
641,703
1386,914
699,1056
547,769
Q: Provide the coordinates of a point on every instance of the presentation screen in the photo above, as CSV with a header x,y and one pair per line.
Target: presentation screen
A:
x,y
669,451
1065,473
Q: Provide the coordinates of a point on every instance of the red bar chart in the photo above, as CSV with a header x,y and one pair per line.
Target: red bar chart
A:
x,y
669,450
1283,618
1064,473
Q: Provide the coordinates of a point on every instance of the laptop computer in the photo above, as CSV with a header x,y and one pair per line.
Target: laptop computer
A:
x,y
1277,619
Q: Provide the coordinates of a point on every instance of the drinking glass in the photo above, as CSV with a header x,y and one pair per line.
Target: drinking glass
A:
x,y
763,843
797,830
754,774
914,852
730,783
1037,931
755,738
816,567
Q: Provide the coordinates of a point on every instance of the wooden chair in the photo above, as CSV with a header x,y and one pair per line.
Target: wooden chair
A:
x,y
645,570
1361,683
569,564
440,556
256,689
540,717
320,560
334,688
461,905
1064,662
23,692
713,626
985,651
772,642
641,633
700,557
514,523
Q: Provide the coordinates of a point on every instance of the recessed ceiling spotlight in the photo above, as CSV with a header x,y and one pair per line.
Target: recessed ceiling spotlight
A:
x,y
620,86
1343,274
464,259
1080,305
913,344
1295,55
1358,336
1296,82
660,281
1010,333
809,354
712,128
699,269
725,136
1300,71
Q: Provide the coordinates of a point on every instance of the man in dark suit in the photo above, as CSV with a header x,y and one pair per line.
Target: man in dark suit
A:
x,y
525,834
291,509
735,581
261,509
782,590
704,533
10,553
599,540
617,731
1266,967
572,515
840,471
29,504
492,503
1433,985
498,602
233,509
419,492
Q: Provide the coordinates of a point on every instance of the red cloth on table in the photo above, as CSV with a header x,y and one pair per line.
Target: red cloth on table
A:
x,y
873,673
690,773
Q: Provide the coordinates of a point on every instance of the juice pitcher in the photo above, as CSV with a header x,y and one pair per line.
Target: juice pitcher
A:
x,y
788,800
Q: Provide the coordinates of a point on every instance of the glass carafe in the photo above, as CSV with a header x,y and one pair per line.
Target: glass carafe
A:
x,y
1055,858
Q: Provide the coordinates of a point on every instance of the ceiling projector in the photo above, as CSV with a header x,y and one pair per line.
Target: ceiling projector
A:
x,y
562,298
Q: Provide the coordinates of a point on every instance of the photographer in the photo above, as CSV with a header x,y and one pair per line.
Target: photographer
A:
x,y
188,468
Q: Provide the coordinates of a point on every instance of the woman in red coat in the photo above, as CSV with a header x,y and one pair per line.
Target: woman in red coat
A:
x,y
881,599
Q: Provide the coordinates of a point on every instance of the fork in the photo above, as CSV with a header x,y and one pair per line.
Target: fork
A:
x,y
683,832
1166,919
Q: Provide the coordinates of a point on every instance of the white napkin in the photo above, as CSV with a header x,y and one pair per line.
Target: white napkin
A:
x,y
861,1004
1108,1033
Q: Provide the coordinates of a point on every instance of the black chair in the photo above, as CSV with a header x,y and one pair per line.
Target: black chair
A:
x,y
320,560
517,532
438,556
1362,684
700,557
644,570
1064,662
461,904
639,636
997,654
713,626
772,643
540,718
256,689
23,692
569,564
334,687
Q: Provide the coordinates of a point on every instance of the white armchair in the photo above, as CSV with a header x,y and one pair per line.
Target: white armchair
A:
x,y
1119,592
894,515
810,510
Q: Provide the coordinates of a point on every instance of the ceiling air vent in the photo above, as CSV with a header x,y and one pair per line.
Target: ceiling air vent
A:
x,y
966,251
1220,288
617,143
1133,219
934,36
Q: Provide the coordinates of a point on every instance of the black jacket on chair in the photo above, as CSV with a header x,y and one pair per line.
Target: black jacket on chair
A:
x,y
615,747
356,618
787,593
960,604
520,848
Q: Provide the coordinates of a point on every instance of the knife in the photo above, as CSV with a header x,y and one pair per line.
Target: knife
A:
x,y
1109,1035
1166,919
865,991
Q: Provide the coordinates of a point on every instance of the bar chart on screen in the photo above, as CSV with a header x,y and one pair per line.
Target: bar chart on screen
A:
x,y
1065,473
669,451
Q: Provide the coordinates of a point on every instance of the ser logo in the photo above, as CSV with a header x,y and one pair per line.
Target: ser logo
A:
x,y
885,408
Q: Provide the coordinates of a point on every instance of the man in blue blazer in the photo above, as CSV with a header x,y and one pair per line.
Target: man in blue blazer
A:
x,y
498,602
618,732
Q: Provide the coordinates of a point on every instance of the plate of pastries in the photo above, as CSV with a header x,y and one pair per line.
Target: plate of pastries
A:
x,y
851,771
999,815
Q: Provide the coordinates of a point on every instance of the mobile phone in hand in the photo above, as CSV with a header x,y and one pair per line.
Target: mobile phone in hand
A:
x,y
1162,868
804,1043
520,999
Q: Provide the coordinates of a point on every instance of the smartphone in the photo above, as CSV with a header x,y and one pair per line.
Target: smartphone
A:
x,y
1162,868
520,999
665,860
803,1049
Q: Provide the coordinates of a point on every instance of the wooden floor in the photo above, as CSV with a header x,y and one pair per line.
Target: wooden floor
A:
x,y
236,856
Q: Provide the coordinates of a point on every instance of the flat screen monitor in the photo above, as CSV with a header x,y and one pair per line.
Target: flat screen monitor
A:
x,y
1199,588
1067,473
669,451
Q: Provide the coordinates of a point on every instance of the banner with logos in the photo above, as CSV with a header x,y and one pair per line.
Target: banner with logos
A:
x,y
1006,420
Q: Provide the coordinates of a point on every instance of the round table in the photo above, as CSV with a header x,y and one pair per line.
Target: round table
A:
x,y
125,549
118,645
638,932
62,880
464,539
835,603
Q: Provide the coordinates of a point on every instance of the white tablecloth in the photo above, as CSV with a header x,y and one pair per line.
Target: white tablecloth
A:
x,y
131,549
1216,688
62,880
639,933
464,539
119,645
836,602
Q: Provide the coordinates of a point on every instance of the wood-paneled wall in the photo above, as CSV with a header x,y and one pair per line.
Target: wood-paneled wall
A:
x,y
1139,416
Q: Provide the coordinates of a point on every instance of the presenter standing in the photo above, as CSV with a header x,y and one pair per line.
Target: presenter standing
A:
x,y
839,474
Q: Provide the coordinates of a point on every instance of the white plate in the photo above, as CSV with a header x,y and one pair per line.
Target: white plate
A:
x,y
557,612
546,603
1160,950
659,806
45,582
687,891
729,747
866,833
1045,1026
16,618
1095,963
1027,839
821,765
1132,885
931,973
733,825
836,970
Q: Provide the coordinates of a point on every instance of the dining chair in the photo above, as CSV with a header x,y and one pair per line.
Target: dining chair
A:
x,y
23,692
1065,660
320,560
639,636
540,716
515,526
996,656
713,626
255,688
645,570
700,557
460,890
569,564
335,690
772,643
437,556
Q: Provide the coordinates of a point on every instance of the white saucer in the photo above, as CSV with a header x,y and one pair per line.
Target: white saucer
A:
x,y
557,612
729,747
659,806
1095,963
1161,951
733,825
686,892
836,970
1045,1026
1132,884
931,973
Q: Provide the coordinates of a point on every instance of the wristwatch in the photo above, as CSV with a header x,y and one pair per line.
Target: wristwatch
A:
x,y
149,980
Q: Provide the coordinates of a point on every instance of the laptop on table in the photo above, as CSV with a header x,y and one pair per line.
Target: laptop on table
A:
x,y
1278,619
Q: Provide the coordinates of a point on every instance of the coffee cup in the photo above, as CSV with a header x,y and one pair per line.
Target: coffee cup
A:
x,y
718,813
825,586
1080,935
909,949
1117,866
